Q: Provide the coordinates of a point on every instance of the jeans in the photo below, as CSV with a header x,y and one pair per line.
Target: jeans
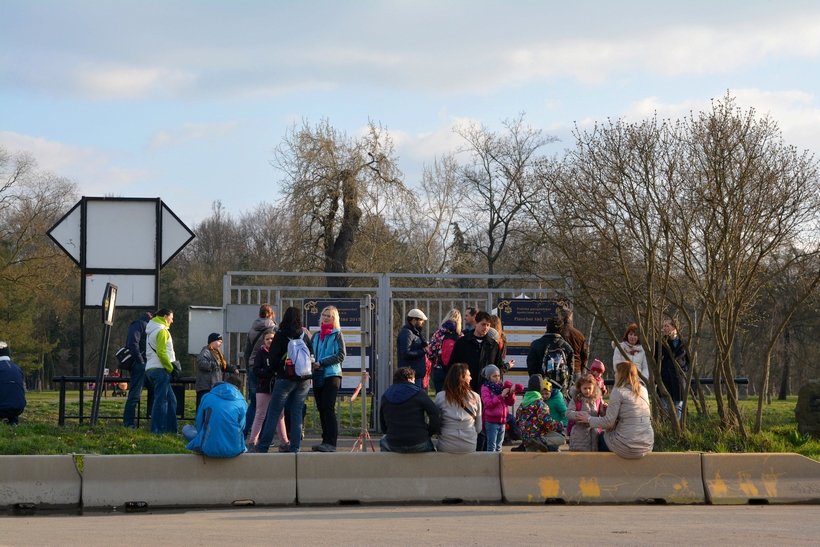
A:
x,y
602,447
439,373
134,393
326,404
164,409
251,401
495,436
289,395
426,446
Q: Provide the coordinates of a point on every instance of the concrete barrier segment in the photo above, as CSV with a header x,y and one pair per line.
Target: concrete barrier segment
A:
x,y
739,479
47,481
594,477
383,477
188,480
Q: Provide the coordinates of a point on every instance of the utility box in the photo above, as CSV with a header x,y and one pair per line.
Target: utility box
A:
x,y
202,321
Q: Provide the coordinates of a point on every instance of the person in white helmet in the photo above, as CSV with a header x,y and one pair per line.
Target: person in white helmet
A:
x,y
411,345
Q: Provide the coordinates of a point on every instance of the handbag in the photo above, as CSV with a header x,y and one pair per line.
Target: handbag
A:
x,y
124,358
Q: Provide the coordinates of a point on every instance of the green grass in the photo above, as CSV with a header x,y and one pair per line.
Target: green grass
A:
x,y
38,432
779,432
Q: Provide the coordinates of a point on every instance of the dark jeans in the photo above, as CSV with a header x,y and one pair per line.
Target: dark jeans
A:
x,y
602,447
326,405
249,416
289,395
439,373
426,446
135,384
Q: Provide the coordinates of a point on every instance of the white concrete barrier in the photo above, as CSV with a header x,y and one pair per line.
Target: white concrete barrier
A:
x,y
189,480
760,478
39,480
383,477
596,477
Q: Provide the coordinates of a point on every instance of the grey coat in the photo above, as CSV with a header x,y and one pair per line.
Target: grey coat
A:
x,y
628,423
208,371
582,438
459,428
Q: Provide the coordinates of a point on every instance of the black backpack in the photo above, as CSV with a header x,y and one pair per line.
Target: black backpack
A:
x,y
554,365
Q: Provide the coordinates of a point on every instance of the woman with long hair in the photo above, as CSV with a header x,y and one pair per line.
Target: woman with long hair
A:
x,y
630,349
329,349
441,346
627,422
288,393
460,409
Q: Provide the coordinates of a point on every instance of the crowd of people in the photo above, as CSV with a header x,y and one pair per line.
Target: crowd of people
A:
x,y
564,404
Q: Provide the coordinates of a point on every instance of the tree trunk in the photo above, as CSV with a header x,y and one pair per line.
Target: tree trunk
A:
x,y
784,377
336,260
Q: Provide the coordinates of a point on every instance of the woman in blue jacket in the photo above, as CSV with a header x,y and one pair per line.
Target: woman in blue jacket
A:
x,y
329,349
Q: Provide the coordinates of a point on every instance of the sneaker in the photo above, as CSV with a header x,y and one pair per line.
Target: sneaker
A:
x,y
519,448
315,448
284,448
324,447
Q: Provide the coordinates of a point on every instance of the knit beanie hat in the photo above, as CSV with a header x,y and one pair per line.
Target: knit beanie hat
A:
x,y
489,370
597,364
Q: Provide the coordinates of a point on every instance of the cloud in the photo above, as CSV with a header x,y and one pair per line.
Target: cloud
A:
x,y
190,132
130,82
95,172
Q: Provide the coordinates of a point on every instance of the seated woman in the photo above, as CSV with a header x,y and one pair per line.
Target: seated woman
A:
x,y
627,422
460,409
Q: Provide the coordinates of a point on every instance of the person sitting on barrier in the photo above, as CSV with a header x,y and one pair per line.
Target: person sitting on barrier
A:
x,y
12,388
627,422
539,432
407,415
220,421
587,398
461,412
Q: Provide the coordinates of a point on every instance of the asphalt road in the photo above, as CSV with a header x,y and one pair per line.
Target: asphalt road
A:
x,y
428,525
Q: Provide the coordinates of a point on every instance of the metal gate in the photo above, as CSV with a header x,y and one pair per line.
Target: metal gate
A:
x,y
391,295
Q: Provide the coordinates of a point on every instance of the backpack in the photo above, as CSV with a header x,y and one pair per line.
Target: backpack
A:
x,y
298,364
447,345
554,366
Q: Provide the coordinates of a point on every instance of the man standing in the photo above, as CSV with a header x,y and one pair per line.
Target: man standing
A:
x,y
262,325
135,342
12,388
408,416
411,345
159,368
478,350
551,342
469,319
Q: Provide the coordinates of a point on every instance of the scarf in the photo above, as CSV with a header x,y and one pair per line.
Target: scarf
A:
x,y
632,350
494,388
530,397
324,330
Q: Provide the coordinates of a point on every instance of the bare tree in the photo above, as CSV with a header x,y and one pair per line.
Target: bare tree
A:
x,y
497,184
331,181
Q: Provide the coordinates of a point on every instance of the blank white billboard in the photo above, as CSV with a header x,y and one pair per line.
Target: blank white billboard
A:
x,y
132,290
121,234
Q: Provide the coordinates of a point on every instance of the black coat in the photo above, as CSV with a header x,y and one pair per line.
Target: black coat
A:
x,y
538,348
477,353
408,416
668,353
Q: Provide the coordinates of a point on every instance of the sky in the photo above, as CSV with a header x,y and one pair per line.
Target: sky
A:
x,y
187,100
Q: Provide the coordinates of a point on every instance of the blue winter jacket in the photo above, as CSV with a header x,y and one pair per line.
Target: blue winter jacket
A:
x,y
220,423
329,353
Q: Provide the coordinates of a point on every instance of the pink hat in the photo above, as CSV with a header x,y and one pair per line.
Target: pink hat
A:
x,y
597,364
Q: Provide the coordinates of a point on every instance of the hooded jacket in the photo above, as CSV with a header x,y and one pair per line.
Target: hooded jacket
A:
x,y
135,339
410,347
12,385
159,350
330,353
220,423
256,336
407,415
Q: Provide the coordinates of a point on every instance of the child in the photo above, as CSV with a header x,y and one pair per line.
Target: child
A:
x,y
539,432
582,437
495,398
555,401
597,370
